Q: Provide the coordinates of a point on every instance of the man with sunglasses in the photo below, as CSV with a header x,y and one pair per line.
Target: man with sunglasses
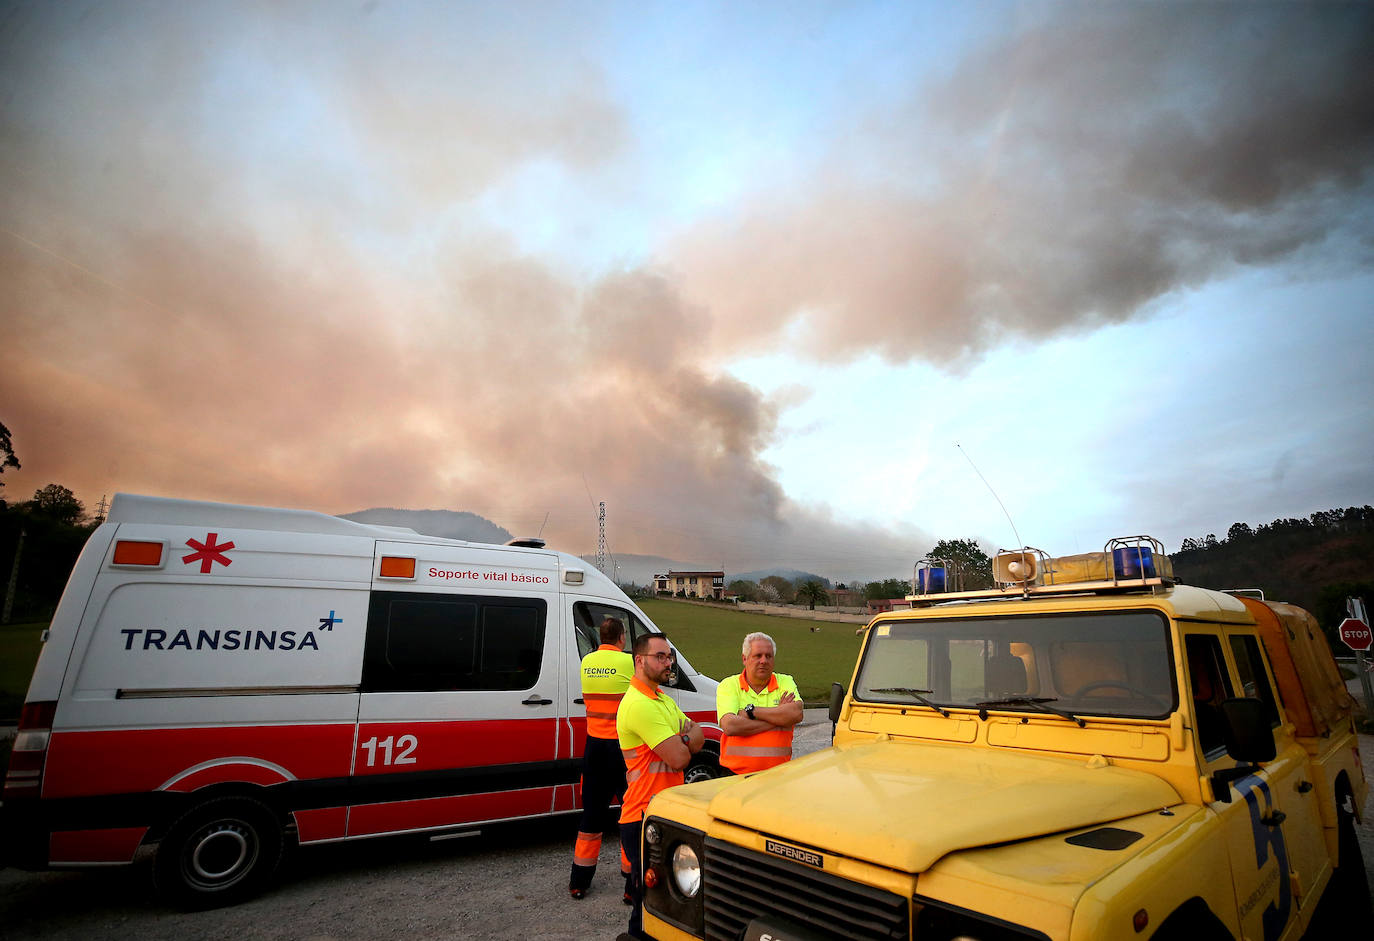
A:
x,y
658,741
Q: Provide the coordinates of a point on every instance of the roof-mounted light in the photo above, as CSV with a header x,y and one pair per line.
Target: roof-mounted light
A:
x,y
933,576
138,552
392,566
1136,558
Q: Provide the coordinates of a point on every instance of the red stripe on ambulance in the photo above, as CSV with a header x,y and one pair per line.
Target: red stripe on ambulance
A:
x,y
141,760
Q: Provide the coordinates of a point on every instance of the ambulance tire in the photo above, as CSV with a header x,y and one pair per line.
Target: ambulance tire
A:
x,y
704,766
220,852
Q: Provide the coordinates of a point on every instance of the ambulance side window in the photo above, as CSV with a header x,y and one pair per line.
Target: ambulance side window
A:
x,y
587,618
588,638
426,642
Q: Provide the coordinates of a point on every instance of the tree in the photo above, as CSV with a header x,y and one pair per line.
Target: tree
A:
x,y
56,502
745,589
973,563
39,542
783,589
887,588
6,449
812,593
1239,531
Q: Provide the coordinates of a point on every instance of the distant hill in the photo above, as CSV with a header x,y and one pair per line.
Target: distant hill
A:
x,y
790,574
1314,563
448,524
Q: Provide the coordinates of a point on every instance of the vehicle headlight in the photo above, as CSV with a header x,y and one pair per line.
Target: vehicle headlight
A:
x,y
686,870
676,856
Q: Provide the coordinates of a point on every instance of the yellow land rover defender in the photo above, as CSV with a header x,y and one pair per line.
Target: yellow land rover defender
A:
x,y
1087,750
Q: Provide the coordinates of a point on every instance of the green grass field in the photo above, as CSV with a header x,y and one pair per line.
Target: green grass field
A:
x,y
19,646
711,638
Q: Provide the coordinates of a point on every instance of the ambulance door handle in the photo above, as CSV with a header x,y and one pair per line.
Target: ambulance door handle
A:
x,y
535,700
580,701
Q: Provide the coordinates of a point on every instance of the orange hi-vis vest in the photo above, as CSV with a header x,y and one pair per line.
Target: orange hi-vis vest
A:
x,y
760,751
646,715
606,674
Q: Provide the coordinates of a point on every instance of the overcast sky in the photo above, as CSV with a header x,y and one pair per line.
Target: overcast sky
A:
x,y
778,282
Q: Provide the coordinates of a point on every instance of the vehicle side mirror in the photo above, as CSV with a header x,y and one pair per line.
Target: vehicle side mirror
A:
x,y
836,701
1247,731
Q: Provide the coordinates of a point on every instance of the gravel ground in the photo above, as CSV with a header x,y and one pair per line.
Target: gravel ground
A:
x,y
509,882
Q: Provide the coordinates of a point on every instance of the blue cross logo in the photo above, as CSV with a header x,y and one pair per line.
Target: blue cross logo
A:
x,y
327,624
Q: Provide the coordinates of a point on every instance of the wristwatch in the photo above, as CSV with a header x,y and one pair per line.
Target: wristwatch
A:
x,y
749,711
686,739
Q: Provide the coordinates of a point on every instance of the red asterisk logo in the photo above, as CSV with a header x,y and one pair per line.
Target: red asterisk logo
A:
x,y
208,552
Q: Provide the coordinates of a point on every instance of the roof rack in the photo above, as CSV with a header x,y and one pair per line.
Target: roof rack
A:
x,y
1129,563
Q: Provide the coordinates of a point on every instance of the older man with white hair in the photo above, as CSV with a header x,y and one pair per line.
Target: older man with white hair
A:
x,y
757,710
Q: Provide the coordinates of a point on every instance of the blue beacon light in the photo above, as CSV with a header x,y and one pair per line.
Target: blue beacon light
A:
x,y
931,580
1134,562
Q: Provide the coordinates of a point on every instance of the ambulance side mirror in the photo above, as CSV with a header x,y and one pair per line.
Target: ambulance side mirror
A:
x,y
679,679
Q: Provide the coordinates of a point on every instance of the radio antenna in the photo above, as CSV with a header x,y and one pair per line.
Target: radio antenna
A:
x,y
543,524
1019,543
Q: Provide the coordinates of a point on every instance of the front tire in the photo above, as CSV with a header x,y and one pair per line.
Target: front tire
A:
x,y
218,853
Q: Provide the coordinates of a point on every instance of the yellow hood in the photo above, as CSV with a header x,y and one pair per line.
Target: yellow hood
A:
x,y
905,805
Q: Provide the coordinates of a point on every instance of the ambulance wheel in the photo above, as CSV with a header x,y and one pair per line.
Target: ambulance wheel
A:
x,y
218,853
705,766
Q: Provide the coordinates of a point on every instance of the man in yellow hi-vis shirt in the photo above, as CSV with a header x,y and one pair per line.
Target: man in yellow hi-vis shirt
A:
x,y
606,674
757,710
658,741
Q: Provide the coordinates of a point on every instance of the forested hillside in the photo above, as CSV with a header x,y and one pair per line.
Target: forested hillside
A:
x,y
1314,563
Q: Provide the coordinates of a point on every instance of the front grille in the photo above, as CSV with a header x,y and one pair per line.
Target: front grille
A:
x,y
740,885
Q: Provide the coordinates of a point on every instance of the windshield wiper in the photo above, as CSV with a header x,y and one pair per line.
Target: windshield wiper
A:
x,y
1037,703
914,694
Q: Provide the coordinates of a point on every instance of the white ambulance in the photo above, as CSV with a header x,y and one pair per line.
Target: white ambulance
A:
x,y
220,679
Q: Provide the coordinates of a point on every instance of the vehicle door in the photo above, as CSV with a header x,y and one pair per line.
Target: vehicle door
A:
x,y
1246,805
1294,791
459,713
586,615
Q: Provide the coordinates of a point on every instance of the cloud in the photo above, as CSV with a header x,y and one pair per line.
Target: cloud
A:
x,y
250,252
1065,175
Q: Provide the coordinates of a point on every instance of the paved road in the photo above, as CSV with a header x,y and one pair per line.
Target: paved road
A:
x,y
509,882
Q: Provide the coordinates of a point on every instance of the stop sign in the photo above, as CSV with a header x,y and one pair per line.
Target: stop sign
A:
x,y
1355,633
